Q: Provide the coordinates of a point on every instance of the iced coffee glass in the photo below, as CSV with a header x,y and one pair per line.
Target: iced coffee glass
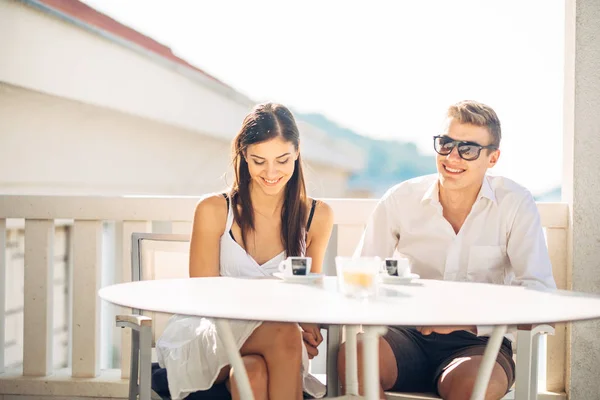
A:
x,y
357,276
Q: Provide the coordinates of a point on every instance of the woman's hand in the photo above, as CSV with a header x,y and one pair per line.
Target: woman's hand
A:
x,y
311,334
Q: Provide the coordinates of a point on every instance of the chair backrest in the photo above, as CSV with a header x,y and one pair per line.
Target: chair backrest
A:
x,y
159,256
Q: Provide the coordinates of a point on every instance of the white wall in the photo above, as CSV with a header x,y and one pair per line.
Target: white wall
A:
x,y
52,145
325,181
48,54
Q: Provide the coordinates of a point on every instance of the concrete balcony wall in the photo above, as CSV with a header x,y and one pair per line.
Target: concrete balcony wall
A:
x,y
54,145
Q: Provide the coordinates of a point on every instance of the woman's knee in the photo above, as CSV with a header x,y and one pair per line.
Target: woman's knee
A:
x,y
285,338
256,368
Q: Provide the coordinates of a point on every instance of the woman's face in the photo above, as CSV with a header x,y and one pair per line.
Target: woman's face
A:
x,y
271,164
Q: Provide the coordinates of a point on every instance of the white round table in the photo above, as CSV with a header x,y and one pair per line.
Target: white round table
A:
x,y
419,303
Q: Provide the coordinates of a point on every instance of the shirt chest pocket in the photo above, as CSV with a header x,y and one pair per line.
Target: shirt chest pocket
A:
x,y
487,264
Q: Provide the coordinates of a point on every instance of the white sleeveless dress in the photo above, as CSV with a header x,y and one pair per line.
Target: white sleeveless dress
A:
x,y
190,348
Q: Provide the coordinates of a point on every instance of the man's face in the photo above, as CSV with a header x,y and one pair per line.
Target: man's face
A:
x,y
456,173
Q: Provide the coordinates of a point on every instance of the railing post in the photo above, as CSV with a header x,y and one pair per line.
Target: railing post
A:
x,y
87,262
37,330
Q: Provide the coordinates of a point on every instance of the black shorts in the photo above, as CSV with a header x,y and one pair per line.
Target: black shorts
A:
x,y
422,359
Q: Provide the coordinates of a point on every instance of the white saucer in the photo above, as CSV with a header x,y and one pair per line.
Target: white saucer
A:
x,y
298,278
398,280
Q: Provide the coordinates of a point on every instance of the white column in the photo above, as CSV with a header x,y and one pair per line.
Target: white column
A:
x,y
3,284
87,262
581,183
37,331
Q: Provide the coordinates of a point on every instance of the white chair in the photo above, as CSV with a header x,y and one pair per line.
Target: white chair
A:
x,y
526,374
153,256
165,256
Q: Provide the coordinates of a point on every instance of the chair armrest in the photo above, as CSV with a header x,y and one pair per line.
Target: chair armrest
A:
x,y
527,350
141,354
537,328
133,321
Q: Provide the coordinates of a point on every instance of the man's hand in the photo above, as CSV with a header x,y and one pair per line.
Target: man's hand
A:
x,y
311,334
444,330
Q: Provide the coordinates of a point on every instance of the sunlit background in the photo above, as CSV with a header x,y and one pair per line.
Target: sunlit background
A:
x,y
384,69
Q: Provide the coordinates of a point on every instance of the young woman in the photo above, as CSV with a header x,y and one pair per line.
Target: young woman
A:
x,y
265,218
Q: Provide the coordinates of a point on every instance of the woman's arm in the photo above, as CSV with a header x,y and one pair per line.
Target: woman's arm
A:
x,y
318,238
209,224
318,235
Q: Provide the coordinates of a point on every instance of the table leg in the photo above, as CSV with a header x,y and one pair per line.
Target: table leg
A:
x,y
334,339
351,363
371,360
241,377
487,364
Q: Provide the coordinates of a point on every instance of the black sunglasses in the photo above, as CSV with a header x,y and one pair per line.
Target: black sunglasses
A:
x,y
468,151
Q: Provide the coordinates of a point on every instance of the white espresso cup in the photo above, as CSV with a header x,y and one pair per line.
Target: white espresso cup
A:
x,y
295,266
396,266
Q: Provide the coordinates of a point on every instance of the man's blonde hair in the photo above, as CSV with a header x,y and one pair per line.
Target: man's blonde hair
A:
x,y
478,114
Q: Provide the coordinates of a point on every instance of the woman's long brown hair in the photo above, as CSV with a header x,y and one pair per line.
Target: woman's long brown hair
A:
x,y
265,122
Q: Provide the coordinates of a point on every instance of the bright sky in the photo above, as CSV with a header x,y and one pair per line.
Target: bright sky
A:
x,y
386,69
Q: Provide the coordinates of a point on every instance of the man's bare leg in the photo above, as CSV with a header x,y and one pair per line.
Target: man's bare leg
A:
x,y
457,381
388,369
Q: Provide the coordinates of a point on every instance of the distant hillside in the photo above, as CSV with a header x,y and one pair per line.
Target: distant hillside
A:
x,y
552,195
387,162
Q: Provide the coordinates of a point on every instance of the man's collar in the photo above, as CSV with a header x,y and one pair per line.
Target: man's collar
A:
x,y
487,191
432,194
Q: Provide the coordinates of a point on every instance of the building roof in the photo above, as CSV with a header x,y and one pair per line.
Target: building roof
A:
x,y
90,16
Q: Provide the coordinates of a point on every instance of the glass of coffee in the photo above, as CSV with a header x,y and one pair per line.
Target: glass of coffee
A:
x,y
357,276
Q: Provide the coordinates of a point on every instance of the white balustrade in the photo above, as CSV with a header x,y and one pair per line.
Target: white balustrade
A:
x,y
135,214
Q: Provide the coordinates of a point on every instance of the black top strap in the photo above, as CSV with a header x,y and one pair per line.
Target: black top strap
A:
x,y
226,198
310,216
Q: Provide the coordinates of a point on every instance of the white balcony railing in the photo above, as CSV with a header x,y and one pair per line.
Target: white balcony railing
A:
x,y
86,215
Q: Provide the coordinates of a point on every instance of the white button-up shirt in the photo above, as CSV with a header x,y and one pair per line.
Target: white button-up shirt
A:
x,y
501,241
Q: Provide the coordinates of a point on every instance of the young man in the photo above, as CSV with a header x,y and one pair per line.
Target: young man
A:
x,y
460,225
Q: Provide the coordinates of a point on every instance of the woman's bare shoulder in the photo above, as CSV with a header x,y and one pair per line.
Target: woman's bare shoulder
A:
x,y
211,212
323,216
